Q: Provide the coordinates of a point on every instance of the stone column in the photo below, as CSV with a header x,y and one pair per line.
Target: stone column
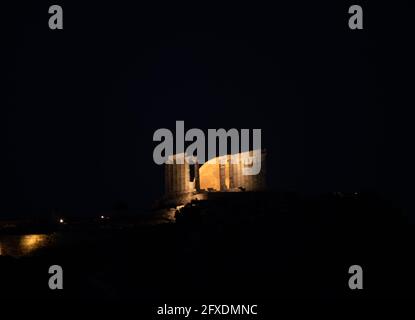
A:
x,y
237,175
240,177
186,177
246,178
179,178
174,177
222,176
197,177
231,169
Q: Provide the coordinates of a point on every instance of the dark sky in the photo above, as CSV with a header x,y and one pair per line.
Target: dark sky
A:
x,y
82,103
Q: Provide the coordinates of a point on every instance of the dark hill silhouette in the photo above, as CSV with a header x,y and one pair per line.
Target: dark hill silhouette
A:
x,y
240,246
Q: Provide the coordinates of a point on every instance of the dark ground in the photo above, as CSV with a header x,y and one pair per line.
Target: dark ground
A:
x,y
246,247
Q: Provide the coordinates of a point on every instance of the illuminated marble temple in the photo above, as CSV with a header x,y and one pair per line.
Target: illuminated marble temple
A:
x,y
220,174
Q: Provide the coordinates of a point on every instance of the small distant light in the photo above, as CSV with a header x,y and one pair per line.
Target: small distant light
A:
x,y
61,221
102,217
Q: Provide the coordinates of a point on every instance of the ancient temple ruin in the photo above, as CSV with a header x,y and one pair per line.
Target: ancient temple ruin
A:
x,y
220,174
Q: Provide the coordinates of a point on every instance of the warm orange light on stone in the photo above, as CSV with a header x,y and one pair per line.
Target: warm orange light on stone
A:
x,y
209,174
228,173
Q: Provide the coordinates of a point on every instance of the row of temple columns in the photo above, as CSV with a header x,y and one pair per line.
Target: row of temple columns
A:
x,y
177,177
237,179
248,182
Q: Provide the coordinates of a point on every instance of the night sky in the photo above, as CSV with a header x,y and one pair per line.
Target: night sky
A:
x,y
81,104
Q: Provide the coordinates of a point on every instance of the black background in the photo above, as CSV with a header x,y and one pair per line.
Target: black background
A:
x,y
81,104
